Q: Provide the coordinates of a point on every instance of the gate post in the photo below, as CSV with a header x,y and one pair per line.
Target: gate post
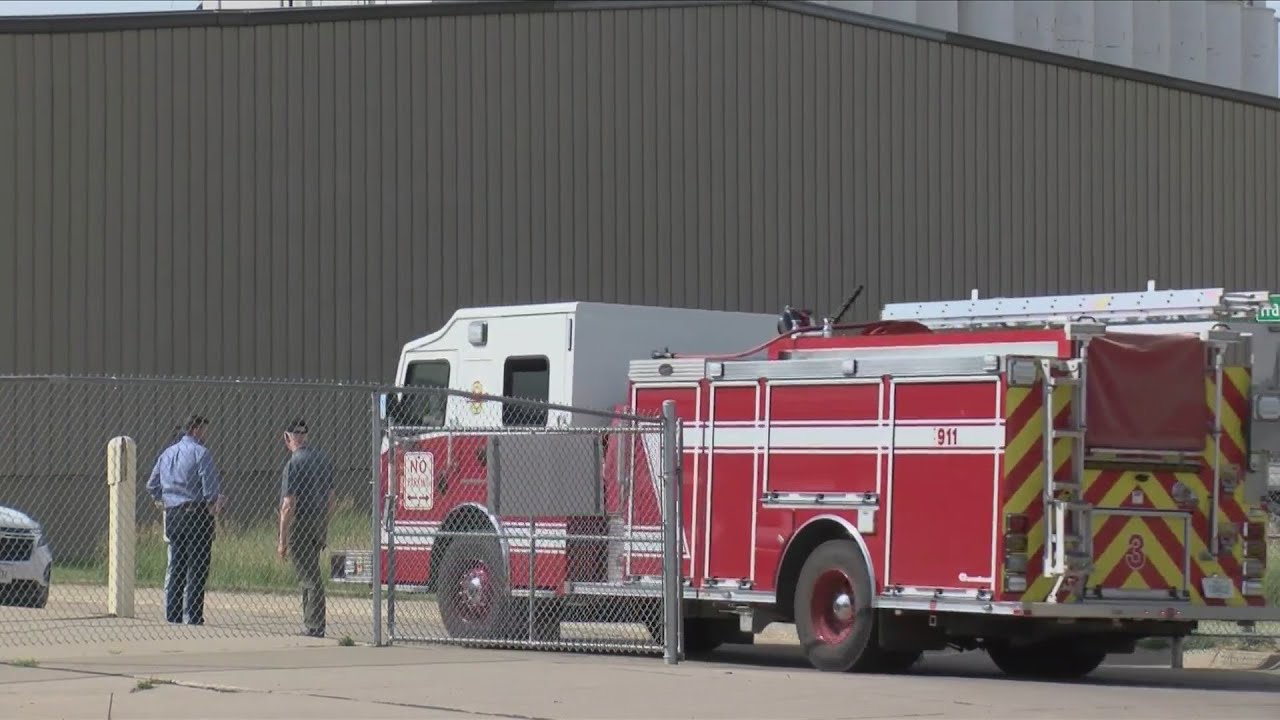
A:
x,y
389,523
672,589
122,524
375,513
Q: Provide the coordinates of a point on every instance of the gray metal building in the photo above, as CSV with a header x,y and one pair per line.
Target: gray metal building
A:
x,y
296,193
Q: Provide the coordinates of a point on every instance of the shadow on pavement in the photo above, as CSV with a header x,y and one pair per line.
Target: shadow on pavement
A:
x,y
976,665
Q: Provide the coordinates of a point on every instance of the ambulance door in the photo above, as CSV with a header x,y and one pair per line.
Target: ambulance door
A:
x,y
426,465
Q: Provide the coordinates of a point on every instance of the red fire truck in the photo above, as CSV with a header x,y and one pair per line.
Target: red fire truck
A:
x,y
1049,479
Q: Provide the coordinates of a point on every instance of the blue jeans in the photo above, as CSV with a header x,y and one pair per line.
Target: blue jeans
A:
x,y
189,529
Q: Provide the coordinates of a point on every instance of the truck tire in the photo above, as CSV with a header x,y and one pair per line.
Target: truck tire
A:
x,y
1061,659
835,620
475,599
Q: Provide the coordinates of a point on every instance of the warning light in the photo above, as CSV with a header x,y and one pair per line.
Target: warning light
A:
x,y
1254,529
1015,524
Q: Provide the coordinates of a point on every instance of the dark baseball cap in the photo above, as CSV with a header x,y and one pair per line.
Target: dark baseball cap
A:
x,y
297,427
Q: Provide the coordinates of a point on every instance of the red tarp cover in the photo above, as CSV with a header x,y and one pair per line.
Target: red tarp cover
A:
x,y
1146,392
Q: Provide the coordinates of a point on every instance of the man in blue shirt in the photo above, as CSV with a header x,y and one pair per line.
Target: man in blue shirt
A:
x,y
186,485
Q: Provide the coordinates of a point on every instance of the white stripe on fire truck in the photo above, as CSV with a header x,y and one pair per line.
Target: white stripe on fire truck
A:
x,y
551,537
937,436
883,422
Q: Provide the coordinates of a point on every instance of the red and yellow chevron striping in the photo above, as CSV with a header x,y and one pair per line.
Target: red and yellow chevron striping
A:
x,y
1232,456
1024,470
1134,552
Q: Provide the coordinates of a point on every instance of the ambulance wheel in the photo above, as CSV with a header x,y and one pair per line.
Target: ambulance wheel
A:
x,y
1050,660
835,621
475,600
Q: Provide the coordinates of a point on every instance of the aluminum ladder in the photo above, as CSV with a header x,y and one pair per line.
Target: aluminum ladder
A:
x,y
1068,549
1131,308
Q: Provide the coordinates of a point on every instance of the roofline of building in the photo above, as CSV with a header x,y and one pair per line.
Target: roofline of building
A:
x,y
1028,53
60,24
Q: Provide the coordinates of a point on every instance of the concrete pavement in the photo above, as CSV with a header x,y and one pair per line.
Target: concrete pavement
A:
x,y
76,615
74,665
290,678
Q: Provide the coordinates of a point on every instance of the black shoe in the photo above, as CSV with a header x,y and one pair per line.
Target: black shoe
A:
x,y
313,633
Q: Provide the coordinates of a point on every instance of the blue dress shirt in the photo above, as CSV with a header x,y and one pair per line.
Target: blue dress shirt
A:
x,y
184,473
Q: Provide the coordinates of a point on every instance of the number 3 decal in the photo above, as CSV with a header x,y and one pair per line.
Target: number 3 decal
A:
x,y
1135,558
946,436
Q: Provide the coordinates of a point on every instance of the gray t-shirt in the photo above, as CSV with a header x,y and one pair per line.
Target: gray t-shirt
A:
x,y
308,477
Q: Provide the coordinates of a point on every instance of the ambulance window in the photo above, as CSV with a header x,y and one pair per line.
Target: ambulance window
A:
x,y
527,378
427,408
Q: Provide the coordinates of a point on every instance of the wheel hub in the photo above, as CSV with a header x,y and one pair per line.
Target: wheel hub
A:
x,y
474,587
842,608
831,609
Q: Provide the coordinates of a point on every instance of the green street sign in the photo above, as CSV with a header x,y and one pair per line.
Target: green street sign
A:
x,y
1271,311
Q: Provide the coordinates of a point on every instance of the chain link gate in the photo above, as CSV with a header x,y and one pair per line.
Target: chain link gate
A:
x,y
512,523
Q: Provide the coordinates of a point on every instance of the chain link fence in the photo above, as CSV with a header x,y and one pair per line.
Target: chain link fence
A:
x,y
87,554
150,509
1263,636
517,524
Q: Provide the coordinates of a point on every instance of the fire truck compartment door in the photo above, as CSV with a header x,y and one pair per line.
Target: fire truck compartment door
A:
x,y
948,438
1140,553
544,474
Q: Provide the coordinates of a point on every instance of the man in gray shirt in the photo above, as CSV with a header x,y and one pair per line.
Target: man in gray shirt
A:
x,y
306,505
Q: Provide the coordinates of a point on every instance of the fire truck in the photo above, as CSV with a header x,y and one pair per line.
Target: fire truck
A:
x,y
1047,479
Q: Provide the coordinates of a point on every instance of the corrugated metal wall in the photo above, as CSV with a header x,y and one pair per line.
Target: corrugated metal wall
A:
x,y
299,199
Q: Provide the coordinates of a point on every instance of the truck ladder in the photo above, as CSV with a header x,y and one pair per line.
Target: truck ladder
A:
x,y
1068,550
1150,306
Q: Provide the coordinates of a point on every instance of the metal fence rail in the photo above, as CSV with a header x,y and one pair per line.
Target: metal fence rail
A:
x,y
456,517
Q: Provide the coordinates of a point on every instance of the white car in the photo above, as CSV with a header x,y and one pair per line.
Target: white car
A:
x,y
25,560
